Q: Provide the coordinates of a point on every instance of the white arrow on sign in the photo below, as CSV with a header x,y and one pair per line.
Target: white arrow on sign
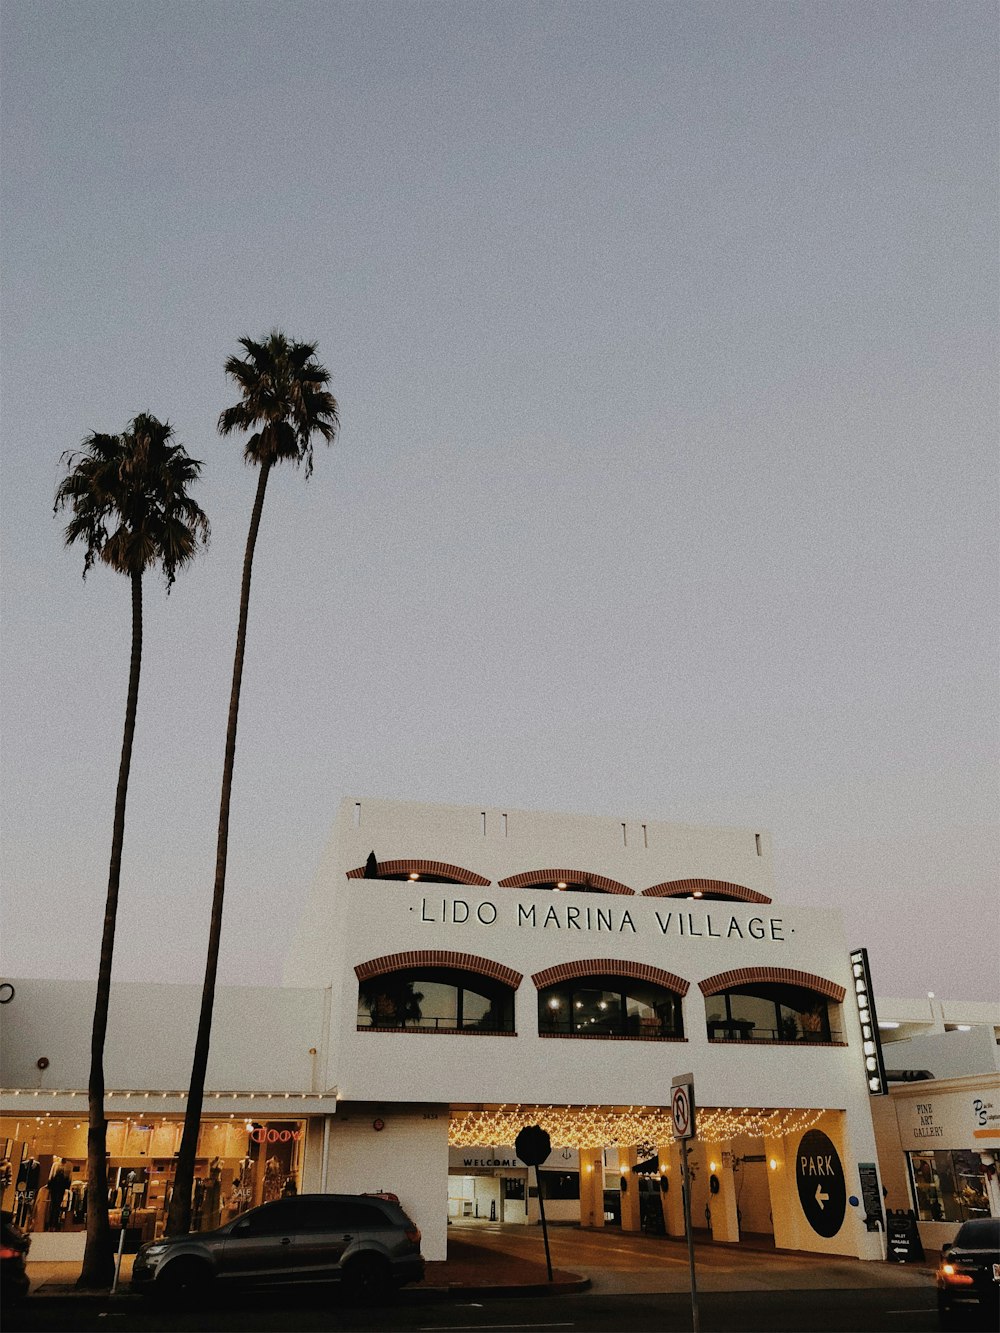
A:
x,y
821,1198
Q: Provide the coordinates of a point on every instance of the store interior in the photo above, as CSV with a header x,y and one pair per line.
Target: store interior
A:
x,y
240,1163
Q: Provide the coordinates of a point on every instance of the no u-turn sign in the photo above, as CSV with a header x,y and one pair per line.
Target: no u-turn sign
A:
x,y
682,1106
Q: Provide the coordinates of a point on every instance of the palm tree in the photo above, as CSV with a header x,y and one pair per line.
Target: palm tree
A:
x,y
128,495
285,402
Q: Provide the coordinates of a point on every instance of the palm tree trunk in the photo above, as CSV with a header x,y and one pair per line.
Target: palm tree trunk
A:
x,y
179,1218
98,1260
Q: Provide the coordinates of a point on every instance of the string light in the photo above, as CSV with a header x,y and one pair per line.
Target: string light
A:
x,y
602,1126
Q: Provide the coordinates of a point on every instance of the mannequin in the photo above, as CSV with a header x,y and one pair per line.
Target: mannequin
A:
x,y
58,1184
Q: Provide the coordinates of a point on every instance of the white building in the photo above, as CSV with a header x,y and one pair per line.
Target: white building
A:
x,y
459,973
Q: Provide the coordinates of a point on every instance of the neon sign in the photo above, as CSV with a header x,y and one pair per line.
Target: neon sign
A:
x,y
262,1135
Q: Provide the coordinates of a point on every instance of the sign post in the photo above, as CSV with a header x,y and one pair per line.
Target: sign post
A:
x,y
533,1146
682,1113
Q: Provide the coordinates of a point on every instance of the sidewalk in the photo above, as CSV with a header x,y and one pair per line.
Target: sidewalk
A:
x,y
469,1270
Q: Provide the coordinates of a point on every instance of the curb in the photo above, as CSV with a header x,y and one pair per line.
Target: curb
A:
x,y
453,1291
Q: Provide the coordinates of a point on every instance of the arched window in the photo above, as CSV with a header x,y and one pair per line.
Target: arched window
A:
x,y
769,1011
609,1005
435,999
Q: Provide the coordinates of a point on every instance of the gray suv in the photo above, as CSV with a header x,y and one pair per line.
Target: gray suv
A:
x,y
363,1241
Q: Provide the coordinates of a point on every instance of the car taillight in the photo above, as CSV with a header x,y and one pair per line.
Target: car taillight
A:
x,y
413,1234
8,1252
951,1274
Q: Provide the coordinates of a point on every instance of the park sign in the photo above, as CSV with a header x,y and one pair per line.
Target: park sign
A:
x,y
819,1176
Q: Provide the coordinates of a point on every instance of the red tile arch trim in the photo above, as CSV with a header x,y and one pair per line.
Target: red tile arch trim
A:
x,y
466,962
528,877
683,888
411,865
748,976
615,967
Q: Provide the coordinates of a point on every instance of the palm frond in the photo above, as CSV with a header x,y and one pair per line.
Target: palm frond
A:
x,y
129,501
283,402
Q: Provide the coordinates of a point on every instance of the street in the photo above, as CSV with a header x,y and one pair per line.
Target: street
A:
x,y
637,1283
889,1310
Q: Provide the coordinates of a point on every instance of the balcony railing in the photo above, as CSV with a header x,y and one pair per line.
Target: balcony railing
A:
x,y
432,1024
743,1030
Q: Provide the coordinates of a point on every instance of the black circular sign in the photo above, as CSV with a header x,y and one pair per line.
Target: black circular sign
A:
x,y
533,1145
819,1175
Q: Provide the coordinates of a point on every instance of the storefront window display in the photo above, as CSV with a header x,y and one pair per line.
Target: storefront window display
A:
x,y
949,1186
240,1163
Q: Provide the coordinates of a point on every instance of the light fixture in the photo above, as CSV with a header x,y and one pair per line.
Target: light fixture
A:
x,y
773,1164
888,1025
696,894
414,875
713,1166
561,884
963,1027
600,1126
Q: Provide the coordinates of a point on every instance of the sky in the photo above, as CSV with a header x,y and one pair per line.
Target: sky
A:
x,y
664,338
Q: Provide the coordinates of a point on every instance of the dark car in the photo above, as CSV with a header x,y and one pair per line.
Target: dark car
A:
x,y
968,1278
14,1245
364,1242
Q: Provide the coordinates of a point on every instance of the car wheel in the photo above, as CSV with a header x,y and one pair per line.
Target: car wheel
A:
x,y
183,1280
367,1279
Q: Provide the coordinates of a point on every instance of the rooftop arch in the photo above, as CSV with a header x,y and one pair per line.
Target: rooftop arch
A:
x,y
704,888
574,879
770,976
610,967
432,871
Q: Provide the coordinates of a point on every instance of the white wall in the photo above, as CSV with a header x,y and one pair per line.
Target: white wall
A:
x,y
384,918
407,1156
261,1037
946,1054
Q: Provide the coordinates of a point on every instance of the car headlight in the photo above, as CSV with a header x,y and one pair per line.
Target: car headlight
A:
x,y
155,1250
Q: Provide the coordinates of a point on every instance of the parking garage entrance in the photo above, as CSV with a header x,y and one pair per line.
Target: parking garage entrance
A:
x,y
620,1167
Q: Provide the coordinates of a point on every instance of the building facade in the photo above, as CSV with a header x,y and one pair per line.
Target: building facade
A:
x,y
458,973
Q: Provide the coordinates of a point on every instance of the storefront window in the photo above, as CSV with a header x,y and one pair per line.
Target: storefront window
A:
x,y
948,1186
240,1163
561,1184
609,1007
437,999
769,1013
